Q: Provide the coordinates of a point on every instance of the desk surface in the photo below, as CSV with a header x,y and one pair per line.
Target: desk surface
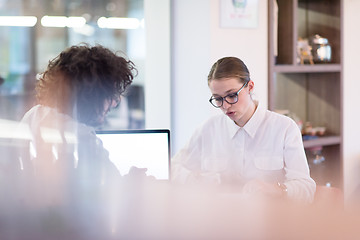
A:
x,y
162,210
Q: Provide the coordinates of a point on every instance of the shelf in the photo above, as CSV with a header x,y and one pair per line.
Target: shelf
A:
x,y
312,91
322,141
308,68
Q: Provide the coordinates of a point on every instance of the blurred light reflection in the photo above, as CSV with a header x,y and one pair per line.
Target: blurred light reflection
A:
x,y
18,21
14,130
55,153
118,23
50,135
62,21
76,158
86,30
32,150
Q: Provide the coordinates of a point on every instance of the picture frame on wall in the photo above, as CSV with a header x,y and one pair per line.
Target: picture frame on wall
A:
x,y
239,13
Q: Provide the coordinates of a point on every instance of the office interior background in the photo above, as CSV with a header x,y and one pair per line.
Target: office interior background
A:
x,y
173,43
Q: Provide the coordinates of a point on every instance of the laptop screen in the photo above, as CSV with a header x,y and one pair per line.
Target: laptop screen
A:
x,y
139,148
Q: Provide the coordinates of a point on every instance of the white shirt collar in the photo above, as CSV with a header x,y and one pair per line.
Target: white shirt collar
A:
x,y
251,126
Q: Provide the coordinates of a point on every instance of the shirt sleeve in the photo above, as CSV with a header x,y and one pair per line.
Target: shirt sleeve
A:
x,y
186,161
187,164
94,163
300,186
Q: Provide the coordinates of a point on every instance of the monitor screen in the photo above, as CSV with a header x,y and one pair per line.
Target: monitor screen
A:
x,y
139,148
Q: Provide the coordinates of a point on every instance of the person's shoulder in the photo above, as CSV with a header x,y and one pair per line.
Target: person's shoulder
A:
x,y
217,117
277,116
208,126
280,119
33,110
214,120
32,114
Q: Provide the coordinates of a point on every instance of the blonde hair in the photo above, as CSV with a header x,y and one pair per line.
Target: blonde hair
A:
x,y
229,67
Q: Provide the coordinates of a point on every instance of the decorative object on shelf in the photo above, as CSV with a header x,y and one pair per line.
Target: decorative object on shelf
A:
x,y
293,116
320,131
304,52
313,131
318,157
309,137
321,49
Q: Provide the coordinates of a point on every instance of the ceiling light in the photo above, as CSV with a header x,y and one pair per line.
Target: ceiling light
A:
x,y
18,21
118,23
62,21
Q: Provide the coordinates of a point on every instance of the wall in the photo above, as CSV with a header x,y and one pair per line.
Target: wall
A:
x,y
157,103
197,42
190,62
351,96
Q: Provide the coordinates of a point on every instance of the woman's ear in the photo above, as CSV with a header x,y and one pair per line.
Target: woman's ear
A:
x,y
250,86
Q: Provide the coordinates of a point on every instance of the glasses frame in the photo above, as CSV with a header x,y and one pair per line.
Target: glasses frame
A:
x,y
224,98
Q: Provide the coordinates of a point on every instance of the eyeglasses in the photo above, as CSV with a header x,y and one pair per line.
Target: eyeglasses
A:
x,y
111,104
116,102
232,98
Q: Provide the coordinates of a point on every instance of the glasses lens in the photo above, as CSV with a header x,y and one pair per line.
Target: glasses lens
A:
x,y
216,102
233,98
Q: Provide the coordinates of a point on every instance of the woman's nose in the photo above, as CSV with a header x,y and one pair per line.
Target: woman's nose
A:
x,y
115,103
225,105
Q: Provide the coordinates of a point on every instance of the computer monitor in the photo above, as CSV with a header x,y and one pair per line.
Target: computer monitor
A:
x,y
139,148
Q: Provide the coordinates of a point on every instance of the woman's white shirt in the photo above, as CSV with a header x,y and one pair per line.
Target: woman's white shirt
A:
x,y
65,145
269,147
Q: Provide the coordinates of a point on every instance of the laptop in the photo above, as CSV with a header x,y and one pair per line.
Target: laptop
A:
x,y
139,148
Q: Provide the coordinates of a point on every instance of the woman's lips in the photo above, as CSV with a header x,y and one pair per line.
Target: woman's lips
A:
x,y
230,114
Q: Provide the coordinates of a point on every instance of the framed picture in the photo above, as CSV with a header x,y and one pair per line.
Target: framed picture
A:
x,y
239,13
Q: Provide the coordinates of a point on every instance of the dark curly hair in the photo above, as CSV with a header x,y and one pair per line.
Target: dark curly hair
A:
x,y
79,80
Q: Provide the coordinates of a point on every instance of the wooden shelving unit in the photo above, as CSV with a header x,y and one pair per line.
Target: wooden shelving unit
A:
x,y
307,68
312,92
322,141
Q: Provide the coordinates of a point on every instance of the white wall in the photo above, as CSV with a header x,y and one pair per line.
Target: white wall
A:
x,y
351,99
157,64
190,63
197,42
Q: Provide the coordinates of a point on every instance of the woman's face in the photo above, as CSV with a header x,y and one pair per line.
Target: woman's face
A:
x,y
108,105
241,111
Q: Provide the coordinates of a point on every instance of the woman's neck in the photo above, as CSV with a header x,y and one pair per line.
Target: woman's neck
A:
x,y
249,113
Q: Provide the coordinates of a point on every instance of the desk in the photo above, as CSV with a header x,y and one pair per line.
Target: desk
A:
x,y
161,210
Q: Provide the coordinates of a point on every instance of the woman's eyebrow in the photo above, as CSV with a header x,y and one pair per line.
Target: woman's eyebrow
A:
x,y
231,91
226,93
